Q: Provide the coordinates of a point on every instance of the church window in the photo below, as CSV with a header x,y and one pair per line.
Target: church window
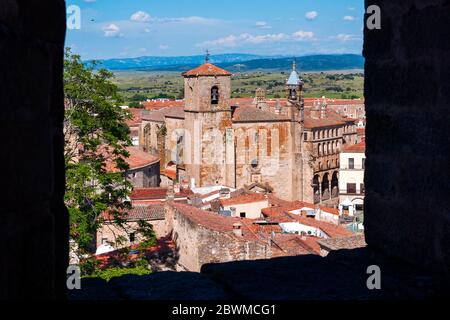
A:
x,y
214,95
254,163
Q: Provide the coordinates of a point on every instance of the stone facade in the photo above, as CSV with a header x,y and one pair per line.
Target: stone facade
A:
x,y
214,140
199,244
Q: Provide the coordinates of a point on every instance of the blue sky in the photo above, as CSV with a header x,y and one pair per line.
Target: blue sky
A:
x,y
133,28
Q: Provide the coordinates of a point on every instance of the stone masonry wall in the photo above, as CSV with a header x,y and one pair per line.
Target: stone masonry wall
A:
x,y
198,245
407,90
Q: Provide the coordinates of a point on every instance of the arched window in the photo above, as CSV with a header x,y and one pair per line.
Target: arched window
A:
x,y
293,94
215,95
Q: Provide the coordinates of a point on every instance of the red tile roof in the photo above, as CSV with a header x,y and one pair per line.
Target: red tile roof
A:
x,y
206,69
356,148
156,193
158,104
332,119
354,242
244,199
137,159
252,114
146,212
214,221
161,114
136,117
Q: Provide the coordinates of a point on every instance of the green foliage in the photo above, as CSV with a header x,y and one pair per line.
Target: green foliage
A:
x,y
170,85
108,274
96,135
135,104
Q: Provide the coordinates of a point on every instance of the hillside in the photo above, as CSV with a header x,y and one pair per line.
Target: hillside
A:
x,y
238,63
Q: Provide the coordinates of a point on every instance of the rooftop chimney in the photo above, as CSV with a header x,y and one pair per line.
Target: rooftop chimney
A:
x,y
224,193
237,229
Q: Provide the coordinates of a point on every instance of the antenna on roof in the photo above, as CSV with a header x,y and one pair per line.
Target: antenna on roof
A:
x,y
207,56
294,64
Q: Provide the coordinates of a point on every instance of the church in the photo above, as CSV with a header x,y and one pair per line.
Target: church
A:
x,y
283,146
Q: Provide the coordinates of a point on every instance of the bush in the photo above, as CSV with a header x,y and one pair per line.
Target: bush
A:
x,y
110,273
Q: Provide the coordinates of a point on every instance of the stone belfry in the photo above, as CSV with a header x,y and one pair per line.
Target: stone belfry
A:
x,y
209,149
294,95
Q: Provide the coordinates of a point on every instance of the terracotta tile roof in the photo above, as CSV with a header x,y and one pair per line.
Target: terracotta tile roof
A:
x,y
354,242
170,173
137,159
330,229
214,221
137,117
252,114
138,212
156,193
356,148
146,212
158,104
206,69
243,199
293,244
161,114
332,119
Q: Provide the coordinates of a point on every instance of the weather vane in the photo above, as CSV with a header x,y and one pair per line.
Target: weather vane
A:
x,y
207,56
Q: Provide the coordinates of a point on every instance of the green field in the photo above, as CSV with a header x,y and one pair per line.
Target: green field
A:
x,y
141,85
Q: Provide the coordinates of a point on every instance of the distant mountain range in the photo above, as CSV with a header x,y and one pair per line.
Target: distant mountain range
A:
x,y
238,62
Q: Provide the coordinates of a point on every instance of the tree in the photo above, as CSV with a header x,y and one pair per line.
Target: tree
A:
x,y
96,137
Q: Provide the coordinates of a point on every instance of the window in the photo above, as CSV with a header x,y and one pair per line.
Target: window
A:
x,y
351,188
364,163
254,163
242,214
305,136
351,163
293,94
104,240
214,95
132,237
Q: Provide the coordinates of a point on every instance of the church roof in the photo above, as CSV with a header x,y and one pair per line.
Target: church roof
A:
x,y
294,78
206,69
161,114
252,114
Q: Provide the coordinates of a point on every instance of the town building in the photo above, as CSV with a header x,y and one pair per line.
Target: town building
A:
x,y
212,139
351,183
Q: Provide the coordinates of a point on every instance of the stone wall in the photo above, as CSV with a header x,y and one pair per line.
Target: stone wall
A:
x,y
268,145
110,232
198,245
145,177
407,92
34,234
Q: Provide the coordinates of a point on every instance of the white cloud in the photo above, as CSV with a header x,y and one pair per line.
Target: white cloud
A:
x,y
311,15
163,47
147,30
346,37
303,35
244,38
111,30
140,16
186,20
349,18
262,25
